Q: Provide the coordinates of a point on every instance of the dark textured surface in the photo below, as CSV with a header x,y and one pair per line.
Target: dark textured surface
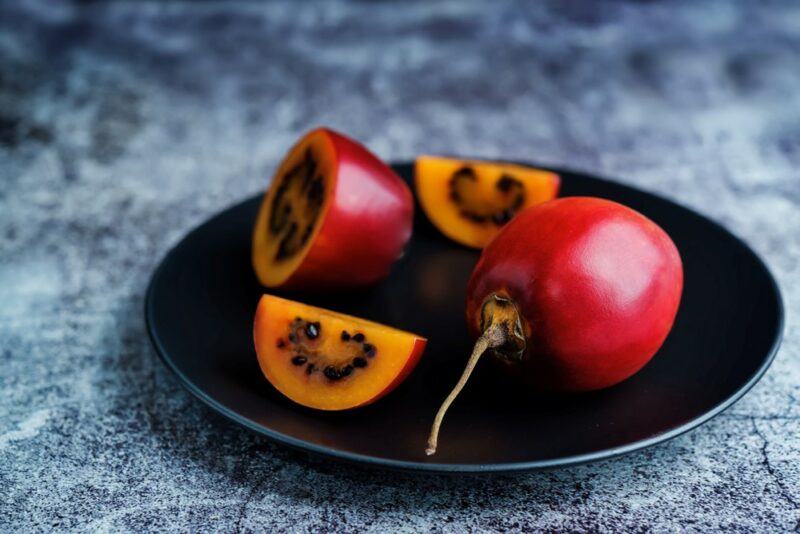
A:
x,y
123,125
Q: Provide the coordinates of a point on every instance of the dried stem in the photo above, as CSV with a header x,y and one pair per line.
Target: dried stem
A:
x,y
493,337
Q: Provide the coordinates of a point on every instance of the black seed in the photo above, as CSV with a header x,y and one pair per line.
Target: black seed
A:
x,y
463,173
287,247
298,319
503,217
307,233
299,360
331,373
310,168
346,370
312,330
369,350
345,336
309,160
310,368
474,217
358,361
281,343
316,191
293,173
292,337
277,218
358,337
506,183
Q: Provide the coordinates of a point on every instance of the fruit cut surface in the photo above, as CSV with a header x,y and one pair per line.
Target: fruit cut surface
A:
x,y
293,209
327,360
469,201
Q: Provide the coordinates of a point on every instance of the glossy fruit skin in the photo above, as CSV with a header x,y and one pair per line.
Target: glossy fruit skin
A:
x,y
597,286
366,226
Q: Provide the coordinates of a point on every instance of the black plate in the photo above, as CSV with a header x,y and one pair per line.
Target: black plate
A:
x,y
202,298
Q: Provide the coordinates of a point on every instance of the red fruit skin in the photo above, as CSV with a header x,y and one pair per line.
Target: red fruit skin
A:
x,y
597,285
411,363
366,226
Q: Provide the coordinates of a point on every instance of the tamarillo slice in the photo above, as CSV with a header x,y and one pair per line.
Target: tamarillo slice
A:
x,y
580,304
470,201
327,360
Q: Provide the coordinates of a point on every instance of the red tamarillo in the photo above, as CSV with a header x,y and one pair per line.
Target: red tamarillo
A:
x,y
572,295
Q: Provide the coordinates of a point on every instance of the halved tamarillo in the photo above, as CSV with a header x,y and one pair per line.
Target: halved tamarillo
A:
x,y
469,201
573,295
328,360
335,216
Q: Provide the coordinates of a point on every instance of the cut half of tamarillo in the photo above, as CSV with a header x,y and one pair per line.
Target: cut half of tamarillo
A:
x,y
334,216
327,360
469,201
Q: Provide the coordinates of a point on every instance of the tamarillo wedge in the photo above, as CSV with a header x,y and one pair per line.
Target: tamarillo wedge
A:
x,y
335,216
469,201
327,360
572,295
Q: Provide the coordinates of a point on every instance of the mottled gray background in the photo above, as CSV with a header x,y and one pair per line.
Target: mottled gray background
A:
x,y
123,125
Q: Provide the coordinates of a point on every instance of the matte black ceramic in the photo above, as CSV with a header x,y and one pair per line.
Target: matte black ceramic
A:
x,y
202,298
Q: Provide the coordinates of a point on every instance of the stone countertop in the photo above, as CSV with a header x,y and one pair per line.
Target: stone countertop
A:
x,y
123,125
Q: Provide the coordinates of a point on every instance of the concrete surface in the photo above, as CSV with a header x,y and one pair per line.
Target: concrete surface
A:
x,y
124,124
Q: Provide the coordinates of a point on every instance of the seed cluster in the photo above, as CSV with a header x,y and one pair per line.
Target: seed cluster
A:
x,y
358,362
302,333
508,186
287,221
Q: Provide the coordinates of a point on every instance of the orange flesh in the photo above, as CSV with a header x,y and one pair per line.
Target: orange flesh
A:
x,y
293,209
318,368
469,201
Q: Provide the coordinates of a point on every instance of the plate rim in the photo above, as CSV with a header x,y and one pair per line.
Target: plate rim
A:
x,y
474,468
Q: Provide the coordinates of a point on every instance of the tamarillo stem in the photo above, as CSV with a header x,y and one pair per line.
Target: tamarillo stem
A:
x,y
494,336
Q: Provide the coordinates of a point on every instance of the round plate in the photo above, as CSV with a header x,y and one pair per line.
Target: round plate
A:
x,y
202,299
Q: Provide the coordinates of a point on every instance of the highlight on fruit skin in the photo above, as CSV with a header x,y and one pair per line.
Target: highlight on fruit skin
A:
x,y
334,216
581,304
469,201
328,360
